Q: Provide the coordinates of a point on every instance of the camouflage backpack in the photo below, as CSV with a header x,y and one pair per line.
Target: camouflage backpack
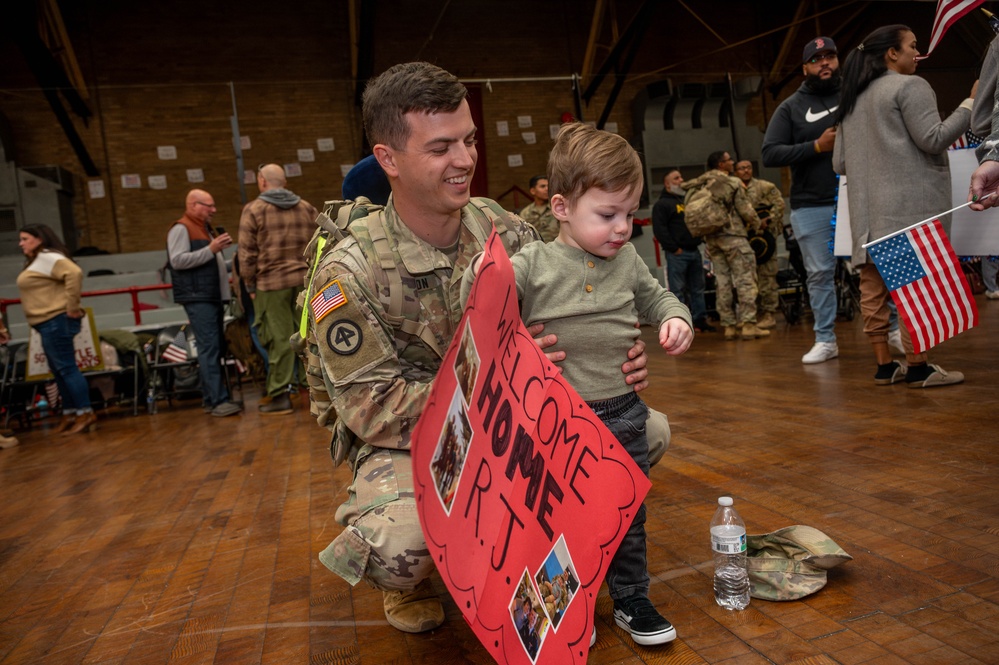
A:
x,y
707,207
336,223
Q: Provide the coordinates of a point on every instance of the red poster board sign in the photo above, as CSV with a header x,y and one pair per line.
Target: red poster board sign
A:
x,y
524,495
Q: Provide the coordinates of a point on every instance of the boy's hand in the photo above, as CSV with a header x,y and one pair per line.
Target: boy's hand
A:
x,y
675,336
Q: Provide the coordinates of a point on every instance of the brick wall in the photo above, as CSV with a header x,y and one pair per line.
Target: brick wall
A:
x,y
163,79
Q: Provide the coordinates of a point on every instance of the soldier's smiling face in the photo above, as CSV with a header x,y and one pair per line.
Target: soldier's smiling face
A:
x,y
435,168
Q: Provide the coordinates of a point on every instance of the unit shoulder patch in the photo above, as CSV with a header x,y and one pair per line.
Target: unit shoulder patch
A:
x,y
353,342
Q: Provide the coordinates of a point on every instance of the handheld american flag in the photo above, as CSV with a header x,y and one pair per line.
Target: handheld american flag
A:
x,y
948,11
926,282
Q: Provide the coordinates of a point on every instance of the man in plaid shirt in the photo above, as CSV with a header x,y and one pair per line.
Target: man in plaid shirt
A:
x,y
273,232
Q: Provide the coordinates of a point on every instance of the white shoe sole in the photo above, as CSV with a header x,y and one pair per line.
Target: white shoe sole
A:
x,y
646,640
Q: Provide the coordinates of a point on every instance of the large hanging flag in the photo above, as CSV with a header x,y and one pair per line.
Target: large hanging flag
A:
x,y
926,282
948,11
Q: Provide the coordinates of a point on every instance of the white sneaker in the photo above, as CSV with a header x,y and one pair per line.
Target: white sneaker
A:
x,y
821,352
895,340
992,295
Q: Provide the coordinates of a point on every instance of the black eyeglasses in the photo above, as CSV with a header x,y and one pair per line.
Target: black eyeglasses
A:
x,y
202,203
822,57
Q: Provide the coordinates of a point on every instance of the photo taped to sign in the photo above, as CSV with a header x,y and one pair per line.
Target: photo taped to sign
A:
x,y
452,448
529,618
557,582
467,363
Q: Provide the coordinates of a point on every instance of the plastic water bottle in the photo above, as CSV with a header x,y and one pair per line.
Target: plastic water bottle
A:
x,y
728,543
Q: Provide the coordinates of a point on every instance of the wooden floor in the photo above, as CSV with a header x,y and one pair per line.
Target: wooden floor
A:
x,y
184,538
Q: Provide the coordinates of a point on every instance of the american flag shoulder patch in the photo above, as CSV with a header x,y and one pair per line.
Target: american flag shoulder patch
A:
x,y
326,300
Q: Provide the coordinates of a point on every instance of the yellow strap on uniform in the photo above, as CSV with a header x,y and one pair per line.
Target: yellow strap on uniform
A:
x,y
303,326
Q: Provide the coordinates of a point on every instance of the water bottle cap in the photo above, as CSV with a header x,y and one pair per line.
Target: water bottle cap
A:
x,y
724,501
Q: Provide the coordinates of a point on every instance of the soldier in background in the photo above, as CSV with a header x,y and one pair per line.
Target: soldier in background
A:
x,y
766,199
732,259
370,379
538,213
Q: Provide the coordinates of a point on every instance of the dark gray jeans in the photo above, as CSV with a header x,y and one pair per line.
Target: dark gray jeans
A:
x,y
625,417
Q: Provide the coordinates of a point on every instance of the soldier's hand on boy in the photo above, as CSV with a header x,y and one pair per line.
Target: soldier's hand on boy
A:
x,y
675,336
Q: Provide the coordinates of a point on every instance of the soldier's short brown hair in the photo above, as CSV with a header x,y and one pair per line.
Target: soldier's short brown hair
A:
x,y
411,86
584,157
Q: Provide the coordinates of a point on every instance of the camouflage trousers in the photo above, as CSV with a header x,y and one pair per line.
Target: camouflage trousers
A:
x,y
734,265
766,283
382,542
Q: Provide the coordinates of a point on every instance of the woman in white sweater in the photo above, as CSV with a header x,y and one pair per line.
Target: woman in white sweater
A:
x,y
893,145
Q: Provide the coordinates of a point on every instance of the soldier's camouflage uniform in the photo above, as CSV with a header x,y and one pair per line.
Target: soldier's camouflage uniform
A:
x,y
763,193
370,374
732,259
542,219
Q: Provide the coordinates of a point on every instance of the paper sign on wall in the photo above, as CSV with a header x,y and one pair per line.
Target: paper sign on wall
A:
x,y
530,138
306,155
325,145
131,181
195,175
166,152
96,189
86,344
293,170
523,494
157,182
514,160
502,128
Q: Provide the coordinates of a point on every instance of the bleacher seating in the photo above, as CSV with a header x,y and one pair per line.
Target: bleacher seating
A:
x,y
113,311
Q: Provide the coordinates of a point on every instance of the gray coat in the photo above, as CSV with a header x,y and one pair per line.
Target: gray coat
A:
x,y
893,146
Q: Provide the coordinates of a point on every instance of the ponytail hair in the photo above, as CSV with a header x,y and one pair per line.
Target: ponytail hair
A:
x,y
866,63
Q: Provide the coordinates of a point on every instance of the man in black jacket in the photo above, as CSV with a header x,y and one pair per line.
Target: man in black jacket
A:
x,y
801,135
684,265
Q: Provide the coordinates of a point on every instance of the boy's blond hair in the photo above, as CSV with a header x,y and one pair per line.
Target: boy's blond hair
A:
x,y
584,157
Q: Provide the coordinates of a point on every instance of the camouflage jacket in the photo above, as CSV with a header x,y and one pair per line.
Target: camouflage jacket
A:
x,y
375,367
738,207
763,193
542,219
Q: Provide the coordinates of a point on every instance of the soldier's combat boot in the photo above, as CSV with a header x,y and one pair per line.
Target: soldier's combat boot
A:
x,y
731,333
415,611
752,331
767,321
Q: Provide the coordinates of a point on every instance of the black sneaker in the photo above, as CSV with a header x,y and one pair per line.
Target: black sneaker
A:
x,y
637,615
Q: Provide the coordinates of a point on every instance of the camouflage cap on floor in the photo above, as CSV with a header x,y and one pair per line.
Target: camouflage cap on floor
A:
x,y
790,563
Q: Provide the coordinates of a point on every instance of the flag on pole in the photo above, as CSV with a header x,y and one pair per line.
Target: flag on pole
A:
x,y
176,350
926,282
948,11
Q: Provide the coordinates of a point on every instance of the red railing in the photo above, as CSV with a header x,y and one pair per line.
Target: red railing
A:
x,y
137,307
